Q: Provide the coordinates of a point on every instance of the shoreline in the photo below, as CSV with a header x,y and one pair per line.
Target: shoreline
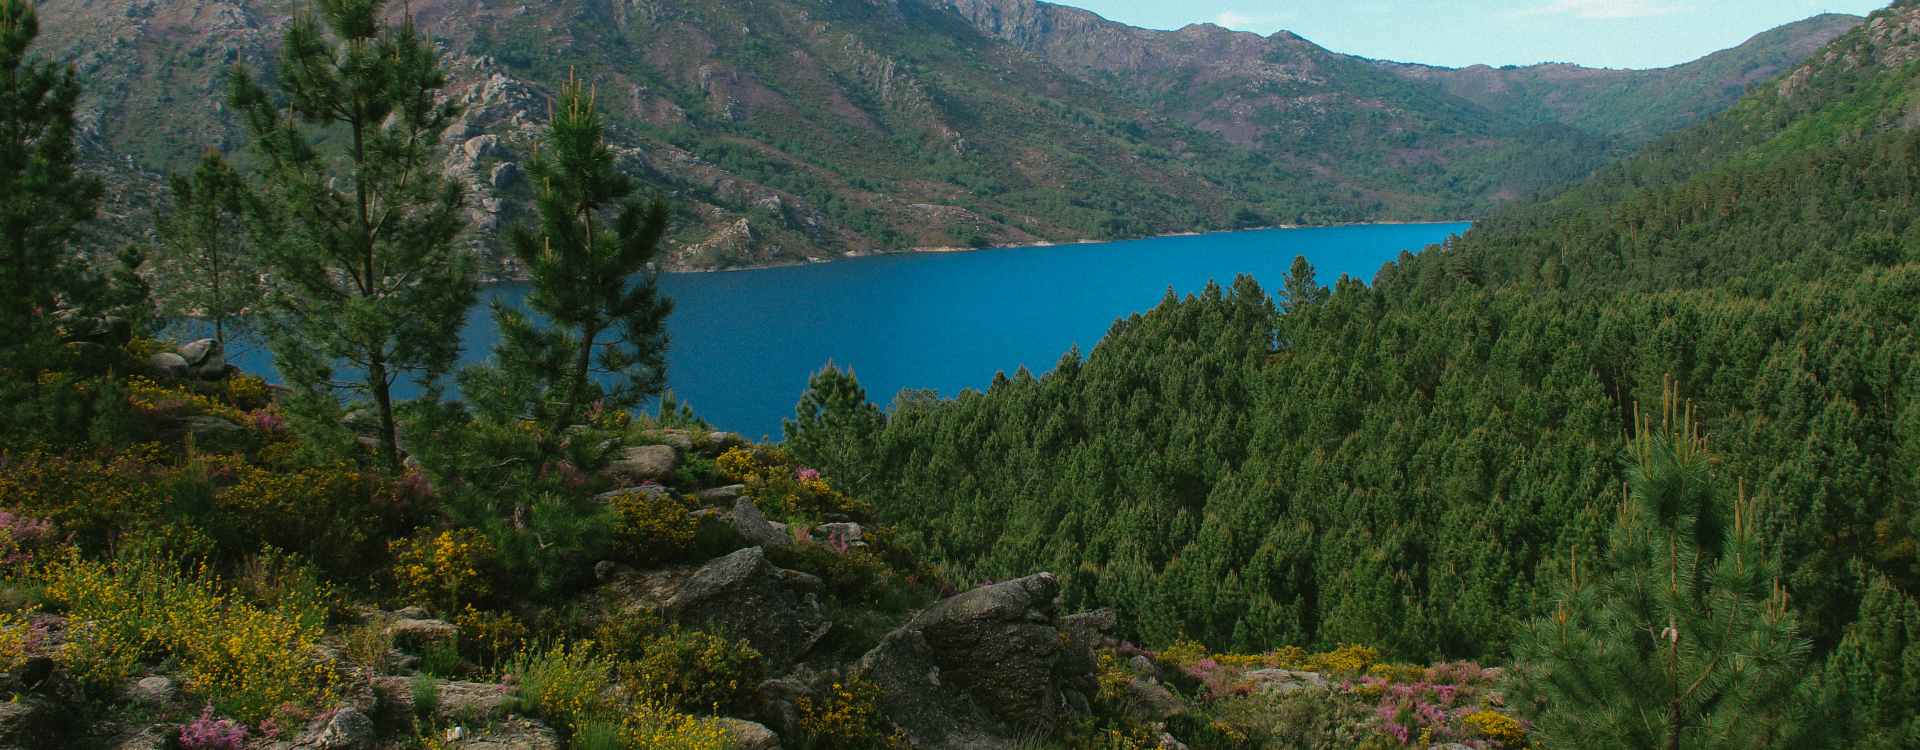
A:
x,y
945,249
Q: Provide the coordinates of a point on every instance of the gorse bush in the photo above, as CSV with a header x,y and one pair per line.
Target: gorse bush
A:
x,y
692,670
847,717
487,638
653,525
653,726
572,686
787,489
19,636
447,569
246,659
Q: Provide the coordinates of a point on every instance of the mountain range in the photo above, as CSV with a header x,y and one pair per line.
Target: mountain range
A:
x,y
802,130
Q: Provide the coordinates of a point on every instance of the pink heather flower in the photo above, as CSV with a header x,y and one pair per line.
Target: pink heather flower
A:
x,y
268,421
26,533
416,484
806,474
208,733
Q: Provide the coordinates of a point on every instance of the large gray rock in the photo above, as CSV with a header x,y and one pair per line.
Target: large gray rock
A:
x,y
29,724
504,175
150,737
1149,701
979,670
153,691
721,497
679,439
410,632
169,364
514,734
644,463
749,735
755,528
719,442
209,426
482,146
204,357
746,596
347,729
777,702
468,702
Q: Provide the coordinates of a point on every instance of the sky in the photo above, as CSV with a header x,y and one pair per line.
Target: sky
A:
x,y
1456,33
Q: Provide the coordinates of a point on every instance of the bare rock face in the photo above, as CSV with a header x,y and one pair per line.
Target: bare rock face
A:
x,y
30,723
754,527
645,463
747,596
721,497
347,728
512,734
749,735
979,670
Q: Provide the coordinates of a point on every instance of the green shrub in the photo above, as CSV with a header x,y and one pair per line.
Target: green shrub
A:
x,y
425,691
549,551
566,685
441,658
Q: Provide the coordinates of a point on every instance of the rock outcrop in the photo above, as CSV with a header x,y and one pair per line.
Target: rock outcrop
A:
x,y
644,463
743,594
979,670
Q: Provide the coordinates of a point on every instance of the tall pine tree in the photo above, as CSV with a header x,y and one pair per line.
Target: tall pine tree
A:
x,y
205,266
589,265
359,224
43,197
1684,638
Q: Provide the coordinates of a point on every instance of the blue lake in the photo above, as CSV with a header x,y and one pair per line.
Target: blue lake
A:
x,y
744,342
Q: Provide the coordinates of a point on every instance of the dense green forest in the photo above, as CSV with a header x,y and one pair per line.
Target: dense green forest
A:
x,y
1415,463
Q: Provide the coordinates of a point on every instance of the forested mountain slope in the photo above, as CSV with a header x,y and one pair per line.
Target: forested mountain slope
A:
x,y
1470,136
1413,464
792,130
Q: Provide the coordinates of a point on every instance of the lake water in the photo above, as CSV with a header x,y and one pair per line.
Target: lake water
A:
x,y
744,342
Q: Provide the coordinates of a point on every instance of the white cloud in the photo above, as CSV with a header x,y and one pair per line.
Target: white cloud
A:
x,y
1603,9
1256,22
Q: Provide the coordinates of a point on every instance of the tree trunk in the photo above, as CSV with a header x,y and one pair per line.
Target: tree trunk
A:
x,y
383,398
577,380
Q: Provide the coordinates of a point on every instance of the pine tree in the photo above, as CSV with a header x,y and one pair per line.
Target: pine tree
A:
x,y
834,427
1300,289
589,266
1685,638
358,239
1870,687
43,198
205,267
